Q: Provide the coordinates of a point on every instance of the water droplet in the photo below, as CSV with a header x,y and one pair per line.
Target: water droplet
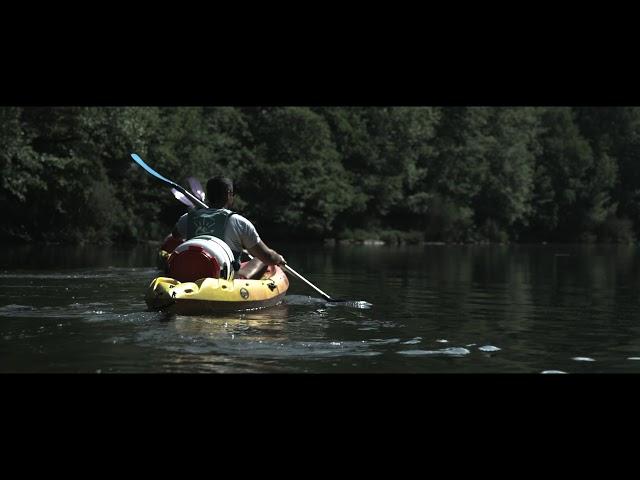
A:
x,y
452,351
489,348
552,371
583,359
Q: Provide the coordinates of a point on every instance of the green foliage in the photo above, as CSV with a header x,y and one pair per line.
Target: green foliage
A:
x,y
614,133
396,174
460,165
504,201
20,167
448,221
616,230
386,151
296,178
573,183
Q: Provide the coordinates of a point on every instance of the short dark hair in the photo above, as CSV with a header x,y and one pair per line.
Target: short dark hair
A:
x,y
218,188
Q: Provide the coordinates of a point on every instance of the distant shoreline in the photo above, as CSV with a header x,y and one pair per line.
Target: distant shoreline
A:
x,y
329,242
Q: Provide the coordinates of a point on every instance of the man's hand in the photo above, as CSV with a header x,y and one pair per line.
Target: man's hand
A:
x,y
266,255
280,259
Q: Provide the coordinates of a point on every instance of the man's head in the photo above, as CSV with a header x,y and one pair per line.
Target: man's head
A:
x,y
220,192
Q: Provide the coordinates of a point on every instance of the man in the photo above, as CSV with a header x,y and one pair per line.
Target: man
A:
x,y
238,232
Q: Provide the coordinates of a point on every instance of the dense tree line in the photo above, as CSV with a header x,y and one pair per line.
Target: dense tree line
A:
x,y
452,174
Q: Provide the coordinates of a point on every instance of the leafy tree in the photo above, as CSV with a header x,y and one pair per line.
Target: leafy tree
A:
x,y
20,167
386,151
572,182
445,173
458,171
614,133
504,202
296,180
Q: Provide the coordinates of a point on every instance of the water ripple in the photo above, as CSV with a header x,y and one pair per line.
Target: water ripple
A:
x,y
450,352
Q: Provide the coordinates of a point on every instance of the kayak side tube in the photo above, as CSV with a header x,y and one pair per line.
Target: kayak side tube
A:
x,y
212,294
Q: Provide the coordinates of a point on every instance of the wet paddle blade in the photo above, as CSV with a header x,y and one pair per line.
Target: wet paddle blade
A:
x,y
351,303
196,188
182,198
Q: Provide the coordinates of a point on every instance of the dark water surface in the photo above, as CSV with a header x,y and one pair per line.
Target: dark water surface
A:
x,y
434,309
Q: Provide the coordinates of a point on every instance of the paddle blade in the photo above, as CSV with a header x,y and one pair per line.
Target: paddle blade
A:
x,y
361,304
196,188
182,198
141,162
195,200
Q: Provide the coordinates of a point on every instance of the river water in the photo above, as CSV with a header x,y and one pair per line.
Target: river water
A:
x,y
422,309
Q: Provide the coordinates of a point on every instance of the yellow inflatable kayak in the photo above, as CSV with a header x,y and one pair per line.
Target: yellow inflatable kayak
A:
x,y
208,295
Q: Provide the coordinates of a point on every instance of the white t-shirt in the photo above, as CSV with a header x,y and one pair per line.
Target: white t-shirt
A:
x,y
238,234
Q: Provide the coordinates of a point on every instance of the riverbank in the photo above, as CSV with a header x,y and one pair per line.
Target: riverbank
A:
x,y
326,242
355,237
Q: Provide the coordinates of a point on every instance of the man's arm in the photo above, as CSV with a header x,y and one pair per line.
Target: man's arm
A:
x,y
180,228
266,255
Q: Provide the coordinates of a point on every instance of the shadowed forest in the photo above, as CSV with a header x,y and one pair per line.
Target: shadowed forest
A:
x,y
396,174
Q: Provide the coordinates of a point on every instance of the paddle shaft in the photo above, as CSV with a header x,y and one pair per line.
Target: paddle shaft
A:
x,y
287,268
290,270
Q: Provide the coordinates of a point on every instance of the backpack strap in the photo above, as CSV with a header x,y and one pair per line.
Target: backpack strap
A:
x,y
236,255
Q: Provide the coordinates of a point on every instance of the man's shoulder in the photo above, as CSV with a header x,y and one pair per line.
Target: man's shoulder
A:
x,y
240,218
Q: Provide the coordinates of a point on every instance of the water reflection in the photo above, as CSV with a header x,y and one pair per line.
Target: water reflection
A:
x,y
263,325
